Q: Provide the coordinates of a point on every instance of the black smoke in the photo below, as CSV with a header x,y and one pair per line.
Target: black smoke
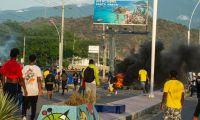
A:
x,y
179,57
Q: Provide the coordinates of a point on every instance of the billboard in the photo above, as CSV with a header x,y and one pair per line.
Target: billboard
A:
x,y
121,12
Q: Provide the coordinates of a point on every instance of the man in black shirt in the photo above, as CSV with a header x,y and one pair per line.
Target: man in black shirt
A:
x,y
197,110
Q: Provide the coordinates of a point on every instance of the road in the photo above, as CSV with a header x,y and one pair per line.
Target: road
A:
x,y
187,113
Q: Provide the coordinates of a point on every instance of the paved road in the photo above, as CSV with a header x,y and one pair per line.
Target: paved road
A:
x,y
188,110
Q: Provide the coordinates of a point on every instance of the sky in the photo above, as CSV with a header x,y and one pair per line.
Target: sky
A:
x,y
22,4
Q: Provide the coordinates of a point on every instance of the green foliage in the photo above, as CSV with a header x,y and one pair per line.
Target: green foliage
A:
x,y
8,108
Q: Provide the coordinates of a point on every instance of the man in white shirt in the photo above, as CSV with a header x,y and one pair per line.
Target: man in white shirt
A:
x,y
32,76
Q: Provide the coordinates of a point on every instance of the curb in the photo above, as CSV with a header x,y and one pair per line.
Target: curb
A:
x,y
149,110
135,113
139,114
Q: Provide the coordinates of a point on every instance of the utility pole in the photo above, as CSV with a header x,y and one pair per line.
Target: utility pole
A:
x,y
62,37
24,50
73,50
104,52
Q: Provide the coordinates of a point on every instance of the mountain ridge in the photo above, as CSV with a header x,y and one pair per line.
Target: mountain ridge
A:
x,y
178,11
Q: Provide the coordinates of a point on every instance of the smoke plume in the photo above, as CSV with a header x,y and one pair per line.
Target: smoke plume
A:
x,y
5,48
179,57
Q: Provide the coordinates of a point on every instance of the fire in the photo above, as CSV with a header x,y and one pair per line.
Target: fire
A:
x,y
120,79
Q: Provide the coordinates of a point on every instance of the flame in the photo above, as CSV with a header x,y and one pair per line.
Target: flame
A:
x,y
120,79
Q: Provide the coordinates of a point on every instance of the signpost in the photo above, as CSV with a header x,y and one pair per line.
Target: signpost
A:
x,y
94,49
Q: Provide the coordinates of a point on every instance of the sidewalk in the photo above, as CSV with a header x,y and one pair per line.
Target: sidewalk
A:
x,y
135,107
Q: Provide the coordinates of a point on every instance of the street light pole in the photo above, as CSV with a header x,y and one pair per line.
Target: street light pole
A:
x,y
191,21
59,59
24,52
73,50
155,8
62,36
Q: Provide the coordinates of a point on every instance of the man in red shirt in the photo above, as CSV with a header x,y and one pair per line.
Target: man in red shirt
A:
x,y
12,75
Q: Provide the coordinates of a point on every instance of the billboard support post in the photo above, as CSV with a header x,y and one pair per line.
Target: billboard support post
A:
x,y
111,52
104,52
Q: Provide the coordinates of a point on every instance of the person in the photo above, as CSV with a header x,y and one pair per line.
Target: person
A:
x,y
144,79
12,79
64,81
49,81
110,82
57,81
55,75
32,75
82,84
197,110
46,72
91,78
193,84
75,79
173,98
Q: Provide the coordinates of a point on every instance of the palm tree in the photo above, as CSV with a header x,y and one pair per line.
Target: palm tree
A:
x,y
8,108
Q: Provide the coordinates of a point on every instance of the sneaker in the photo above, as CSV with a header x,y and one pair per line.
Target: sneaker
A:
x,y
24,118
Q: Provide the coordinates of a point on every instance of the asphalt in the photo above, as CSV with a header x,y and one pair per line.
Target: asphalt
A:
x,y
187,112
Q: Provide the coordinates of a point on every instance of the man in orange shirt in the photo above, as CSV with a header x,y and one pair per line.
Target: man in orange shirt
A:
x,y
12,75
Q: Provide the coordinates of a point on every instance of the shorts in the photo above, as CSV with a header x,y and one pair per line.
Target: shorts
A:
x,y
49,87
12,89
64,83
172,114
76,82
197,110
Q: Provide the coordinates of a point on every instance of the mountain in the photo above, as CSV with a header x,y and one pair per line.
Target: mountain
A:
x,y
178,11
71,11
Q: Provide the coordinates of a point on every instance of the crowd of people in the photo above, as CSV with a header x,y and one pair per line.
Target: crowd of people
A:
x,y
27,81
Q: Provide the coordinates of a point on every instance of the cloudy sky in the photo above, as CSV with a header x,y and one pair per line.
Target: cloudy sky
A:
x,y
21,4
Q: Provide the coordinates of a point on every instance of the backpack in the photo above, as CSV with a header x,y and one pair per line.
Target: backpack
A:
x,y
50,78
89,75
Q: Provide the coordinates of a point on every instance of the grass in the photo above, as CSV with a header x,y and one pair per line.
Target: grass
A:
x,y
77,99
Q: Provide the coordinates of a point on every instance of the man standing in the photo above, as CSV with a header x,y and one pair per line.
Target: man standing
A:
x,y
32,76
192,84
144,79
12,75
91,78
64,81
197,110
49,81
173,98
75,78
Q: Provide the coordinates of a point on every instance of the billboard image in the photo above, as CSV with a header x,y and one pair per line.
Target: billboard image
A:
x,y
121,12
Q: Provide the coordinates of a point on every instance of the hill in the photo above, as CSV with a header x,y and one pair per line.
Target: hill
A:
x,y
178,11
42,38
